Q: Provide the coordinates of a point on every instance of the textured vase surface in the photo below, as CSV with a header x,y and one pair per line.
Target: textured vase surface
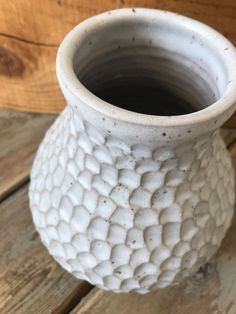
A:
x,y
127,201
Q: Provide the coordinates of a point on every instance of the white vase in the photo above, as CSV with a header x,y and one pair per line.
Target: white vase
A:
x,y
135,201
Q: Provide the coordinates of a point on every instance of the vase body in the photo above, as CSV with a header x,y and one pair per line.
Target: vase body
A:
x,y
136,212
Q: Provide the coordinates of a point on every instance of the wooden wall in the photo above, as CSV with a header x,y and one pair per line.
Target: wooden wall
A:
x,y
31,30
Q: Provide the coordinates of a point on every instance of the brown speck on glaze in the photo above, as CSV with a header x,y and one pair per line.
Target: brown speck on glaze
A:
x,y
133,10
163,134
226,49
90,43
189,131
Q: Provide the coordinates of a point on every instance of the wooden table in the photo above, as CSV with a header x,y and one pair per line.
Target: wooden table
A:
x,y
32,282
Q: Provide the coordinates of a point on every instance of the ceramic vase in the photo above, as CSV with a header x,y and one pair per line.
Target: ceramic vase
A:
x,y
133,190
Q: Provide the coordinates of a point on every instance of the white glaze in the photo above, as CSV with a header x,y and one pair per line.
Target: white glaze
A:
x,y
116,202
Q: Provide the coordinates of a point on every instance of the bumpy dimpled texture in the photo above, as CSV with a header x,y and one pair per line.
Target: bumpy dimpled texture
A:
x,y
128,218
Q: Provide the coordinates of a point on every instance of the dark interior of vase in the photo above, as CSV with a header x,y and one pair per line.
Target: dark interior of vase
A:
x,y
143,95
135,72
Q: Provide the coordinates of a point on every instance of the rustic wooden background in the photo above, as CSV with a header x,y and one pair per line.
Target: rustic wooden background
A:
x,y
30,32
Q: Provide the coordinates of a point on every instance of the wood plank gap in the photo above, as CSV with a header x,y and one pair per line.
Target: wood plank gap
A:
x,y
26,41
75,298
19,184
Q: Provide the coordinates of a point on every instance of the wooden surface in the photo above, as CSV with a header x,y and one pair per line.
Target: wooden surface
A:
x,y
30,32
32,282
20,135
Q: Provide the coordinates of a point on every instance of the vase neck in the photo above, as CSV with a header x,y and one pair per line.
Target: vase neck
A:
x,y
151,137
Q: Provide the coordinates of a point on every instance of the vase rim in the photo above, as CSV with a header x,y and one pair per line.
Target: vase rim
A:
x,y
72,86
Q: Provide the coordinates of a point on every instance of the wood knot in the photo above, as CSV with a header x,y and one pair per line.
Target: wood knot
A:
x,y
10,64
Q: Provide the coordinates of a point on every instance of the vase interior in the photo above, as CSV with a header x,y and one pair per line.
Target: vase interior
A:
x,y
150,67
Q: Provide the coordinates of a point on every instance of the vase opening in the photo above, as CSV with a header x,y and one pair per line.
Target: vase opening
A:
x,y
125,62
150,67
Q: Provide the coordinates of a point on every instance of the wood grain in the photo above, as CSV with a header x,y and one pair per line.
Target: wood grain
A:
x,y
30,280
27,77
20,135
30,32
211,291
46,22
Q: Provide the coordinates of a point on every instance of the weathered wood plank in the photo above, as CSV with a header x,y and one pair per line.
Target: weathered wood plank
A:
x,y
28,78
30,32
20,135
58,17
211,291
30,280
